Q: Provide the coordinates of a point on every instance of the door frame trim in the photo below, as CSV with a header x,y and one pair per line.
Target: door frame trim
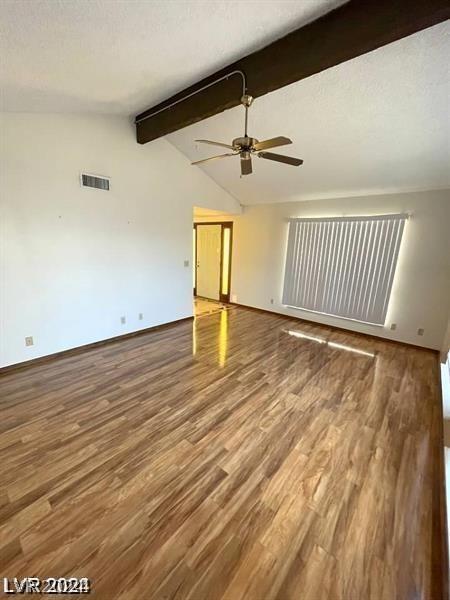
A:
x,y
224,225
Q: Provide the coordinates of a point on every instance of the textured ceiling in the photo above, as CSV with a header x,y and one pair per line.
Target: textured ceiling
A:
x,y
122,56
376,124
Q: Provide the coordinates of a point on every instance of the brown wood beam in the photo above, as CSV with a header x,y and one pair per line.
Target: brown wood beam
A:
x,y
357,27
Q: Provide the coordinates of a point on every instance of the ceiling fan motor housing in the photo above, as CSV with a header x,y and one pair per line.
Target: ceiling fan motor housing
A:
x,y
244,143
245,146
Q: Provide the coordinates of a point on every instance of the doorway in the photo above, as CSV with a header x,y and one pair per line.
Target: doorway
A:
x,y
212,271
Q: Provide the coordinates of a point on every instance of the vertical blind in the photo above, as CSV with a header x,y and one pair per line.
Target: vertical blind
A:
x,y
343,266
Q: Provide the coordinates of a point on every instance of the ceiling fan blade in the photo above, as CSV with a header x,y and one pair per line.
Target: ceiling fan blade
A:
x,y
289,160
197,162
215,144
246,166
272,143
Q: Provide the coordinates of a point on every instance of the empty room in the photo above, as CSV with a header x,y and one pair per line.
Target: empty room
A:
x,y
225,299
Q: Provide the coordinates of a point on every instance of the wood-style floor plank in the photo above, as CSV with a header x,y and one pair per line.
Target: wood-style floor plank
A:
x,y
241,456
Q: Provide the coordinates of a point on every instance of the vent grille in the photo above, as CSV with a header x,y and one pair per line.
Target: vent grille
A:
x,y
94,181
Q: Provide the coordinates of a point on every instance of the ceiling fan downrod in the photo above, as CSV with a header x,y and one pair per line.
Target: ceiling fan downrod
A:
x,y
246,101
245,146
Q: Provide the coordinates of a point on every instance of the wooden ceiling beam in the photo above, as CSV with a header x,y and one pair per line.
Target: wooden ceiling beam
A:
x,y
357,27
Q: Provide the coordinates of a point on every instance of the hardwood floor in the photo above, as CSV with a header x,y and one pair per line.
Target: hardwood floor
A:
x,y
242,456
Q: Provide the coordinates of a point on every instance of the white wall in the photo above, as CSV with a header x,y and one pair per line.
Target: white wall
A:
x,y
74,260
445,348
421,291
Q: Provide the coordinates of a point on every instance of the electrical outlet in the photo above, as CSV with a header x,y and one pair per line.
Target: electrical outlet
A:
x,y
141,316
186,263
29,341
271,301
123,320
420,331
394,326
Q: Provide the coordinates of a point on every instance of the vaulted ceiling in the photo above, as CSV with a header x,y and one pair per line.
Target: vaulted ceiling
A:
x,y
378,123
121,56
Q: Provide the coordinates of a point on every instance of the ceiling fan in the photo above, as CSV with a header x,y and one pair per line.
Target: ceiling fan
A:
x,y
245,146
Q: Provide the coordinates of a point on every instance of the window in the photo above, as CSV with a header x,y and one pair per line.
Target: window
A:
x,y
343,266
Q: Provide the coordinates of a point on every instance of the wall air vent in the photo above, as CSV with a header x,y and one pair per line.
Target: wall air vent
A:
x,y
94,181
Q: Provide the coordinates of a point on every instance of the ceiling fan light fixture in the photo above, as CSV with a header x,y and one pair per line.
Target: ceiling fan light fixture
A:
x,y
245,146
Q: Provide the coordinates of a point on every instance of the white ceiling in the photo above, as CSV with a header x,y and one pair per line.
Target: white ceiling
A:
x,y
376,124
122,56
